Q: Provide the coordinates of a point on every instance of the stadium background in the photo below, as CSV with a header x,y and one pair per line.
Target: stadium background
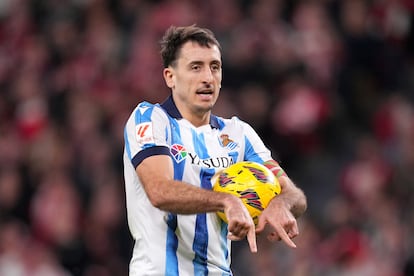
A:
x,y
328,84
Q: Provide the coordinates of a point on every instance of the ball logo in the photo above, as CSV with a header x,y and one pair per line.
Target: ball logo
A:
x,y
250,181
259,174
225,180
252,198
178,152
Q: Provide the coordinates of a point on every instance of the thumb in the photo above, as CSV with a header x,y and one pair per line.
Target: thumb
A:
x,y
260,225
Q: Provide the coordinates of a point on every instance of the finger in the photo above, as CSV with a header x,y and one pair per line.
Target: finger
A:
x,y
293,232
233,237
238,230
285,237
260,225
251,239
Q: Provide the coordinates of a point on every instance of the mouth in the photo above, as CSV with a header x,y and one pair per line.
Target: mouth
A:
x,y
205,94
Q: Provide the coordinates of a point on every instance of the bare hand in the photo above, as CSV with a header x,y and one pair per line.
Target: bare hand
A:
x,y
240,223
282,222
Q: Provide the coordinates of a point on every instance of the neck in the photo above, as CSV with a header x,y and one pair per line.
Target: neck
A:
x,y
197,120
196,116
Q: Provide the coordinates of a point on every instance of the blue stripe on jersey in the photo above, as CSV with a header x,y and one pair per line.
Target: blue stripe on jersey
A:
x,y
217,121
141,115
172,241
250,154
127,146
200,245
171,267
234,155
200,242
176,139
223,234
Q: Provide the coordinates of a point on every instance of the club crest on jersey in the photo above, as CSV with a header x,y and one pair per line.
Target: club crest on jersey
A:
x,y
178,152
143,133
226,142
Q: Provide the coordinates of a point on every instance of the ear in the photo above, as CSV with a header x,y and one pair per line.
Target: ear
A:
x,y
168,74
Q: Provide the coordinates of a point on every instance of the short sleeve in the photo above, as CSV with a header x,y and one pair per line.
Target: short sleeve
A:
x,y
146,132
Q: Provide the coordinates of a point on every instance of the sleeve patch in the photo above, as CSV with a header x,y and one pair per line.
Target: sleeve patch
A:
x,y
143,133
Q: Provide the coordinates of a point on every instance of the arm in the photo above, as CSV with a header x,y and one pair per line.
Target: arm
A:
x,y
165,193
283,210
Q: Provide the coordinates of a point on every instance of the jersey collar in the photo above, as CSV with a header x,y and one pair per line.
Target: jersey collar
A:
x,y
172,110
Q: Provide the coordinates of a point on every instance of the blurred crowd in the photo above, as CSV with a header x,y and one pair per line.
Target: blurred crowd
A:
x,y
328,84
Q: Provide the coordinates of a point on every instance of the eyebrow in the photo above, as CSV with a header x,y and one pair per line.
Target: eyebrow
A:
x,y
199,62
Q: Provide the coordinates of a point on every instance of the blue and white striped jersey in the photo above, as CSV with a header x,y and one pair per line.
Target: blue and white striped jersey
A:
x,y
171,244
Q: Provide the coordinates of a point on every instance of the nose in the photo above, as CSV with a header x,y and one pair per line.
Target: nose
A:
x,y
208,76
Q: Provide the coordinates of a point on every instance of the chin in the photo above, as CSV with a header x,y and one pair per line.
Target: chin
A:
x,y
205,108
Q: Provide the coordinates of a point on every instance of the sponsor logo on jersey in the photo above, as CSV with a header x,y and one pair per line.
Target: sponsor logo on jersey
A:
x,y
143,133
211,162
179,153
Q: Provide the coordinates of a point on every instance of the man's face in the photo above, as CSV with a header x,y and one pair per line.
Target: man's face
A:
x,y
195,79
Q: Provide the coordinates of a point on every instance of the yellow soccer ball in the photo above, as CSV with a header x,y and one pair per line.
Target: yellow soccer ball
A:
x,y
252,182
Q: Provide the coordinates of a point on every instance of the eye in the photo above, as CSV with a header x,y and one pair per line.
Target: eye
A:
x,y
195,67
215,67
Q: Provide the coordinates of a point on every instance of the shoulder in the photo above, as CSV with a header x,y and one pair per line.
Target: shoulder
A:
x,y
146,107
232,122
146,110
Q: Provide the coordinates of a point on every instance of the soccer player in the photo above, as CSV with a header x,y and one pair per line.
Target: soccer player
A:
x,y
171,152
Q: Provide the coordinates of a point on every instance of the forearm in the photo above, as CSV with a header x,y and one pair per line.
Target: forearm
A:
x,y
167,194
182,198
293,197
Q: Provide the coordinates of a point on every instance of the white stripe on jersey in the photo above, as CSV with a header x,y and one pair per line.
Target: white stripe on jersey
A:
x,y
169,244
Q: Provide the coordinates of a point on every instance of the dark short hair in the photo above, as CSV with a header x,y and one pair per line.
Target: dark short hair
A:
x,y
175,37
